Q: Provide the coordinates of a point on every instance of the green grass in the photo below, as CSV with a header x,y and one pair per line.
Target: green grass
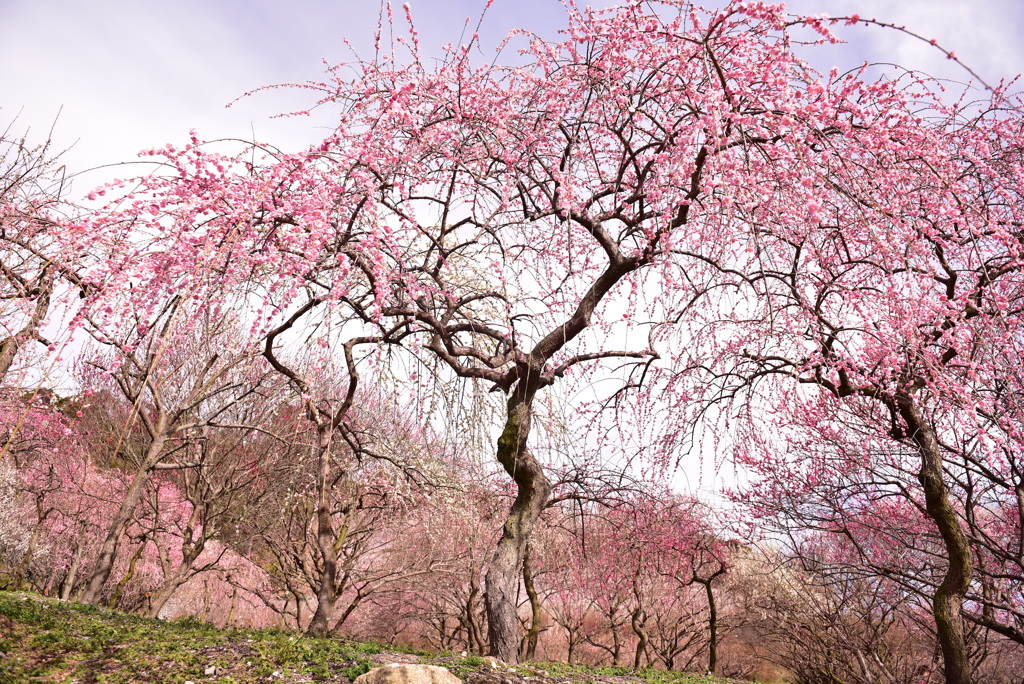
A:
x,y
48,641
44,640
582,674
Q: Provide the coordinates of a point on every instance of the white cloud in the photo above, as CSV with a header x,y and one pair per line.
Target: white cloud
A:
x,y
984,35
132,74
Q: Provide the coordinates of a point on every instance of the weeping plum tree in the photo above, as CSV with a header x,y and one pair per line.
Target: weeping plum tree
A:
x,y
531,226
881,323
548,202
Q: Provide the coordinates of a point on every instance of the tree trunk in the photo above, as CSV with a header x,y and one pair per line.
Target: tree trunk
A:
x,y
356,601
231,611
115,598
615,624
69,581
474,634
534,490
26,558
947,603
105,561
298,606
161,596
326,545
533,634
206,602
191,549
712,625
637,620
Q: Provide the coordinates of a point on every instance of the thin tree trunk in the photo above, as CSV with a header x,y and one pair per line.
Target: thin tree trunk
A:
x,y
347,613
298,607
533,634
206,602
105,561
534,491
115,598
231,611
712,623
616,640
948,601
69,581
191,549
161,596
326,545
26,558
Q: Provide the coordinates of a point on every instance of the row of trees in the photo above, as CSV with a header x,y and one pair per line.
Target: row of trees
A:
x,y
663,231
240,516
643,581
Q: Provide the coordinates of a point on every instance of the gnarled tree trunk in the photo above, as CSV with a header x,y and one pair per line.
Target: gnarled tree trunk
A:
x,y
638,618
327,544
534,492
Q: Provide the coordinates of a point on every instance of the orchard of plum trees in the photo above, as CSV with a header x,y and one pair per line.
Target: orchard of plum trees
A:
x,y
402,383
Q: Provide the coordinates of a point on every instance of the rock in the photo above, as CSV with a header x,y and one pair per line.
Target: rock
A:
x,y
403,673
212,670
493,662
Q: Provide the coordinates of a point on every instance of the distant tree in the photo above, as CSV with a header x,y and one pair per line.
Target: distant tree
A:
x,y
175,382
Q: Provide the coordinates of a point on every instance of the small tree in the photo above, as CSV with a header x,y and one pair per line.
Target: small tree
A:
x,y
174,385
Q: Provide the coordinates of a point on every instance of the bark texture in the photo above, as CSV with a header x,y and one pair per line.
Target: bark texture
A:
x,y
947,604
327,546
534,490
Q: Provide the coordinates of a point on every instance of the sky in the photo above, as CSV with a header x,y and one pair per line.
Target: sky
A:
x,y
113,77
118,76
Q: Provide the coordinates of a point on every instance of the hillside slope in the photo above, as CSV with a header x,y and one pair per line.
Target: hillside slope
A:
x,y
45,640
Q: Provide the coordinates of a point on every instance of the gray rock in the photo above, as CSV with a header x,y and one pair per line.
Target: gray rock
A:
x,y
402,673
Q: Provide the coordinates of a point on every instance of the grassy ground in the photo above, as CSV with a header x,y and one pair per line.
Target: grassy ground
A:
x,y
44,640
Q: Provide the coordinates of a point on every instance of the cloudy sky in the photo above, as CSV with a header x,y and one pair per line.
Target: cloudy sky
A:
x,y
125,75
129,74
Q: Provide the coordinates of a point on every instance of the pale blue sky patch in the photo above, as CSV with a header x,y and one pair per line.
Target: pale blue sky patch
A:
x,y
131,74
